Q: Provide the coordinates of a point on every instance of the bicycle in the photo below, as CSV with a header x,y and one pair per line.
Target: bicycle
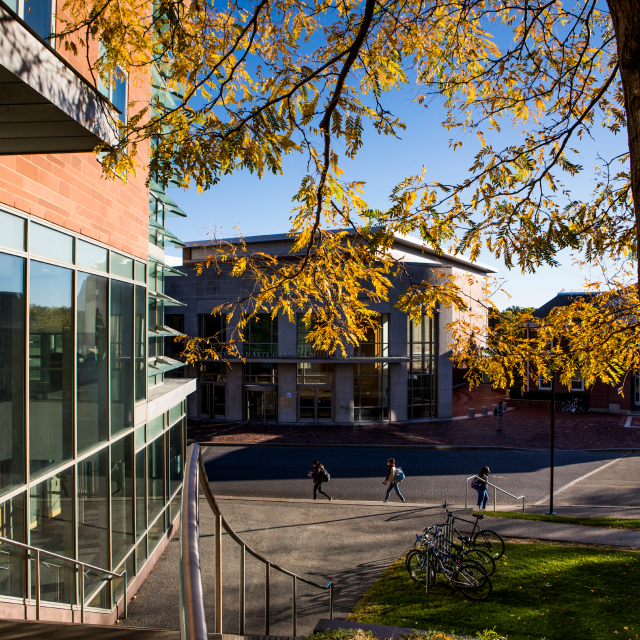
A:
x,y
466,548
466,576
574,405
484,539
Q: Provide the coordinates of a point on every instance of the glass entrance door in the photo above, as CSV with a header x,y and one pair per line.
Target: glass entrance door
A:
x,y
212,401
262,406
315,404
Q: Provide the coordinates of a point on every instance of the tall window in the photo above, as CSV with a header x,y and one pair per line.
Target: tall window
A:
x,y
213,327
92,366
122,366
371,391
422,383
262,336
37,14
261,373
141,343
376,342
305,348
315,373
50,366
12,349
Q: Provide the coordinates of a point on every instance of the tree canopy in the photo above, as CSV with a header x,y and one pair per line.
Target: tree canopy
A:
x,y
259,80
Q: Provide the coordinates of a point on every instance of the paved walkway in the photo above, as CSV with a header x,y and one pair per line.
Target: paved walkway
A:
x,y
525,428
432,476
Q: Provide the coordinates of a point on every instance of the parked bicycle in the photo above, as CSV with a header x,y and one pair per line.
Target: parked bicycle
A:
x,y
464,575
574,405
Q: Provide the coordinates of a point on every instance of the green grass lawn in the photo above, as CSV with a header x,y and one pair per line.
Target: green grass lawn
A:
x,y
539,591
608,523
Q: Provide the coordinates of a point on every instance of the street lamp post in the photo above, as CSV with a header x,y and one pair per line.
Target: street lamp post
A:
x,y
551,512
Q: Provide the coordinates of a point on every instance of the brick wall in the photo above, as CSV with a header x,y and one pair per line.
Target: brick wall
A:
x,y
69,190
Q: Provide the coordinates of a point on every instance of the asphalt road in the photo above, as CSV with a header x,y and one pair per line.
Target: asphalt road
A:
x,y
433,476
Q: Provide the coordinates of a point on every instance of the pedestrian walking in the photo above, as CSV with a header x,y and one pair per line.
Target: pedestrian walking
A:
x,y
393,480
319,475
498,412
481,487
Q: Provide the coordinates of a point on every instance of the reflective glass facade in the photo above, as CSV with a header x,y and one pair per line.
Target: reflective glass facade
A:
x,y
76,477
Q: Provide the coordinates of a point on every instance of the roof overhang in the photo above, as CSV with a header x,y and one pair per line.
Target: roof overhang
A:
x,y
45,105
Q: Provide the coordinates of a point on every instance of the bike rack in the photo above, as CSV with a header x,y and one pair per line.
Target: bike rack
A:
x,y
495,490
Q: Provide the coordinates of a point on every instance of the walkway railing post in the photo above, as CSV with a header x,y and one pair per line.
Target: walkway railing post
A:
x,y
267,595
294,626
522,504
37,585
218,520
125,593
466,491
495,498
242,588
82,596
331,602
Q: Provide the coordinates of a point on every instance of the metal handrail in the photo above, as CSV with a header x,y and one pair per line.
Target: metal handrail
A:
x,y
495,490
192,618
76,563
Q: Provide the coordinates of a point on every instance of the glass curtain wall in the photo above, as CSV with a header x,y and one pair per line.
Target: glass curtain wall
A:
x,y
12,365
371,391
13,562
92,361
51,360
422,382
141,343
122,535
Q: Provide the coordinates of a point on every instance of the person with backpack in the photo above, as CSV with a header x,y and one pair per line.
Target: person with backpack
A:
x,y
479,483
395,475
319,475
498,412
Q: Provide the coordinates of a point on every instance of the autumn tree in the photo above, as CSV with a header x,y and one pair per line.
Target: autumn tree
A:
x,y
264,79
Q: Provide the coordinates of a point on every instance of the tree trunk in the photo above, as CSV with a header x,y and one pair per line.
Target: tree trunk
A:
x,y
626,22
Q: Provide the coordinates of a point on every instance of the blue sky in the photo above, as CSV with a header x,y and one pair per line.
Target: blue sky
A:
x,y
264,206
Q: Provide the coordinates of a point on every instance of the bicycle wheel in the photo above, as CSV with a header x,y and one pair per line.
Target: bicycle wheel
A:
x,y
482,558
417,562
490,542
473,582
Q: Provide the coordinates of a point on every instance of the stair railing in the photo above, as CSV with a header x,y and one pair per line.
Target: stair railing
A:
x,y
193,624
495,490
35,553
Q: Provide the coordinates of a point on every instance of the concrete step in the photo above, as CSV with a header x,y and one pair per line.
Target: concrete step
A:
x,y
31,630
377,630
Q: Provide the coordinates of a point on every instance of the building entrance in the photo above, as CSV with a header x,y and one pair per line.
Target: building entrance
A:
x,y
262,405
315,404
213,402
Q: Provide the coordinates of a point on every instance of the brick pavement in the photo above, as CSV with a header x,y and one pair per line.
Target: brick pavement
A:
x,y
523,427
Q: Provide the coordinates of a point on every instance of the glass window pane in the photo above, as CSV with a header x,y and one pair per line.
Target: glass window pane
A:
x,y
175,457
51,528
121,266
92,372
119,95
12,560
176,505
50,366
12,328
141,551
155,477
49,243
141,272
93,517
118,583
37,14
92,256
141,493
122,365
141,343
13,231
122,497
156,532
155,426
175,412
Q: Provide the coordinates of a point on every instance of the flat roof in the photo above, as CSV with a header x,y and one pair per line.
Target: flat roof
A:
x,y
409,241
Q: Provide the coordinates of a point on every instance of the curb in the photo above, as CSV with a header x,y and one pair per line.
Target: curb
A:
x,y
405,446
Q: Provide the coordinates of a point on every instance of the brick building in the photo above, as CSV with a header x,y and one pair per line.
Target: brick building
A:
x,y
600,397
92,436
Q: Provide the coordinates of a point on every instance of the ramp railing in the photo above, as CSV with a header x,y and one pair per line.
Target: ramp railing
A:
x,y
193,624
495,490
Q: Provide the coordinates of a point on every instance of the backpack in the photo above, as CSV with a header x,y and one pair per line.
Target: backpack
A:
x,y
475,484
324,475
495,413
399,474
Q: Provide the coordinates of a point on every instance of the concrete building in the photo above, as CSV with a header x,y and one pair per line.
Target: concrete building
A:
x,y
402,372
92,436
